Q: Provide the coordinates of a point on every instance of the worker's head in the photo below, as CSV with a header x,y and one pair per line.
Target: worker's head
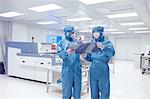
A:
x,y
97,33
69,32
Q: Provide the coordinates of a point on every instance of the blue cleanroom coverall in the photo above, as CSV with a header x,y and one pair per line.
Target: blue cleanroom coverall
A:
x,y
71,68
99,70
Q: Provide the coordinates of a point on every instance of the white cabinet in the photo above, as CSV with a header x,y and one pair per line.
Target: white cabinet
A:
x,y
34,67
20,66
13,69
40,74
44,62
27,72
28,67
40,68
27,61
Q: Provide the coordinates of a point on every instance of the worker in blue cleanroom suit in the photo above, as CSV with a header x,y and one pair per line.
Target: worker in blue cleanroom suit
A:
x,y
99,70
71,69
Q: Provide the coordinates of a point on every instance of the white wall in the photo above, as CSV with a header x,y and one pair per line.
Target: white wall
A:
x,y
23,33
40,34
127,46
0,40
5,35
145,40
19,32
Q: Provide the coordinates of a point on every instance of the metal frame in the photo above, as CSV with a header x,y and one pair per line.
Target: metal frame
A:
x,y
53,68
145,66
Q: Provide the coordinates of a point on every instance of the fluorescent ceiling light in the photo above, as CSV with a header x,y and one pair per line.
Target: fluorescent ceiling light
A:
x,y
103,25
142,32
117,32
79,19
108,30
10,14
87,2
132,29
45,8
74,27
132,23
122,15
48,22
85,31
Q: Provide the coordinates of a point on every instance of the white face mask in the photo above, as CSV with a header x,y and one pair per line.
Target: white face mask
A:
x,y
96,35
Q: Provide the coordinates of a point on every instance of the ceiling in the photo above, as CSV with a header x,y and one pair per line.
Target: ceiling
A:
x,y
73,8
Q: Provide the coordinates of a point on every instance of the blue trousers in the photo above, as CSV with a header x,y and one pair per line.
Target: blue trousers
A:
x,y
99,83
71,82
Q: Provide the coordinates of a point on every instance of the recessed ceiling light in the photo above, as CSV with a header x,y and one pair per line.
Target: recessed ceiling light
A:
x,y
87,2
74,27
79,19
132,29
122,15
117,32
103,25
132,23
11,14
141,31
48,22
45,8
109,30
85,31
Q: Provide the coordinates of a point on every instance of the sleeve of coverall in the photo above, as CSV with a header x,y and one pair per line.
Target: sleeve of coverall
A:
x,y
61,51
109,49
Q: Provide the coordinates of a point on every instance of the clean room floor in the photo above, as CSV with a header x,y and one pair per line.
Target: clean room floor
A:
x,y
126,83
